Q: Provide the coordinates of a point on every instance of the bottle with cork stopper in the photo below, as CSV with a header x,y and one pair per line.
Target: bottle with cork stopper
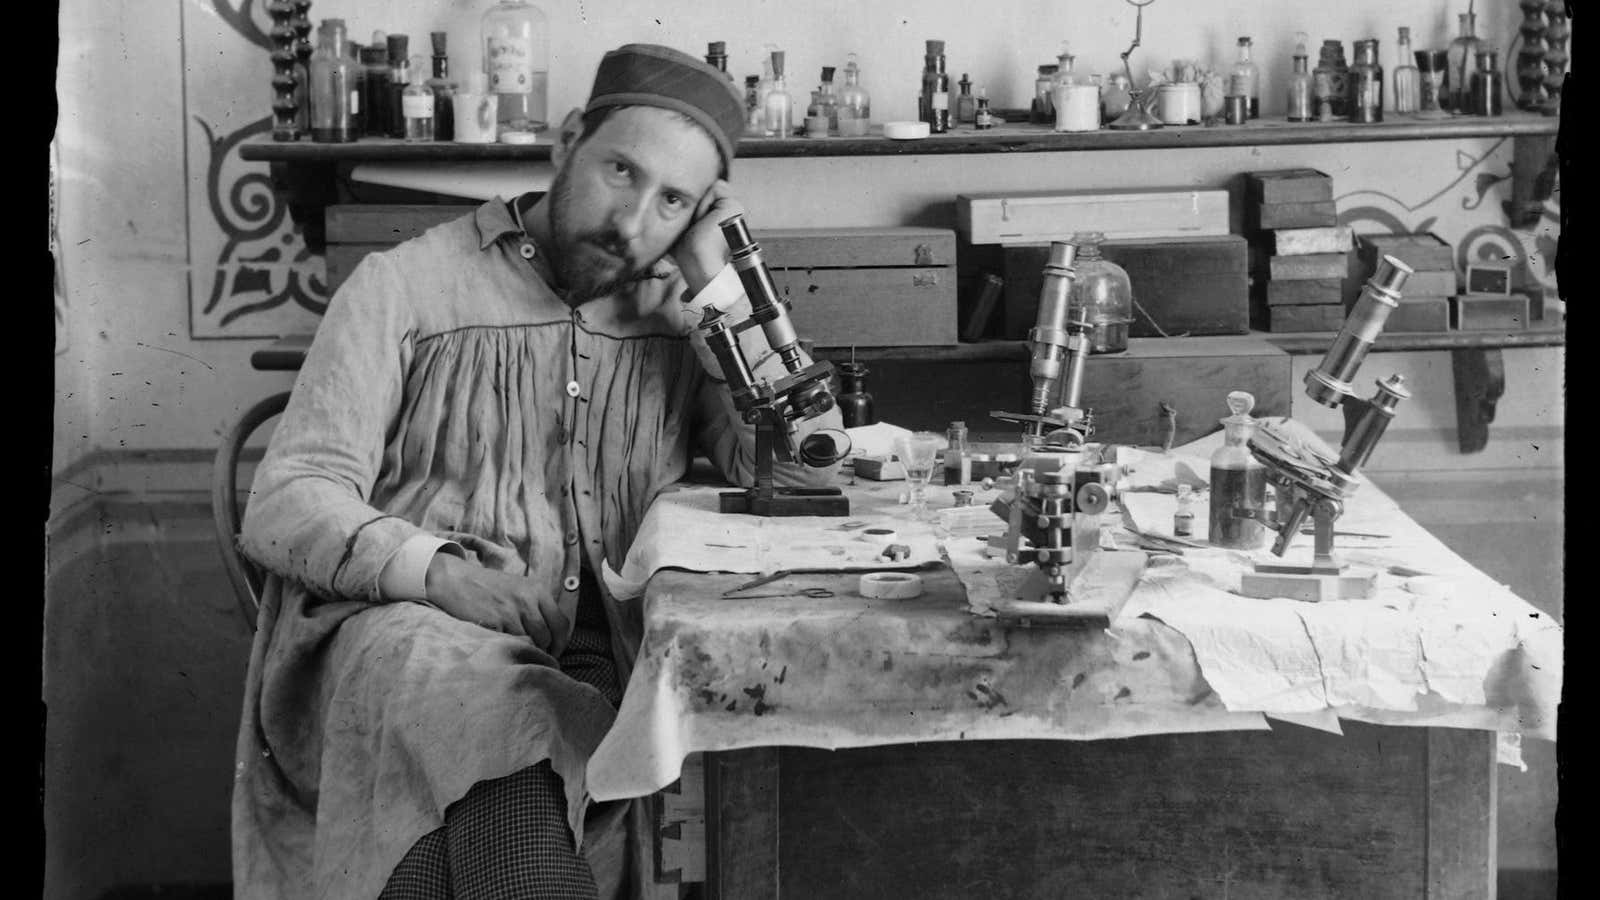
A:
x,y
417,105
957,465
1238,481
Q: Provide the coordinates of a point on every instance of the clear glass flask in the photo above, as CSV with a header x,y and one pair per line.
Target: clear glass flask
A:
x,y
417,105
516,55
1462,57
855,104
1102,294
1407,80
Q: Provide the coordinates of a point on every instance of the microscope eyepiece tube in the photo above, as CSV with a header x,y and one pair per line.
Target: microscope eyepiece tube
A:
x,y
1370,427
1049,336
766,306
1329,382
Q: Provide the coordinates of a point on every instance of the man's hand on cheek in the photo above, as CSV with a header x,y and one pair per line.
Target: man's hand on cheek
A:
x,y
702,252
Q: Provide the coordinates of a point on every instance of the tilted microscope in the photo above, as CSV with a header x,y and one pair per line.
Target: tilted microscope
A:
x,y
775,408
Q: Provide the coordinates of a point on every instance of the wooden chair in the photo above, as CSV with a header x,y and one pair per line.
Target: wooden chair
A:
x,y
226,511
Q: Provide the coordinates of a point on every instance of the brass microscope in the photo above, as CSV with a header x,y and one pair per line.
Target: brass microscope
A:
x,y
1308,479
1063,484
775,408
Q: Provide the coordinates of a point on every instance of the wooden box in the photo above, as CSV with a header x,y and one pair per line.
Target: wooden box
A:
x,y
1428,284
1310,214
846,286
1193,285
1032,217
1424,252
1305,291
1303,317
1310,265
1489,312
1288,186
1300,241
866,287
1419,314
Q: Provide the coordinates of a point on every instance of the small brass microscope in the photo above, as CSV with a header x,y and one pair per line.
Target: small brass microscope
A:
x,y
773,407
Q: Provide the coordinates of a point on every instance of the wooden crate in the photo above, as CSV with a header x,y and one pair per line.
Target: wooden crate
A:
x,y
1188,285
1272,216
1419,314
1489,312
1288,186
1042,216
1423,252
1297,317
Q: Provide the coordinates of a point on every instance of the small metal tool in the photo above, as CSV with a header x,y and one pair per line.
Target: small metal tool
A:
x,y
813,592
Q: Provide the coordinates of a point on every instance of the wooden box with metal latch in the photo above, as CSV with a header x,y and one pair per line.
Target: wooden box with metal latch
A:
x,y
866,287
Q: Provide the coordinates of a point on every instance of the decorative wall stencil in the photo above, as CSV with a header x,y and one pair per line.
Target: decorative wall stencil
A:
x,y
1467,212
250,275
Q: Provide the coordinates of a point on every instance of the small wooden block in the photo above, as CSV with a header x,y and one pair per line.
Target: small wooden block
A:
x,y
1301,241
1489,312
1315,214
1428,284
1308,266
1420,314
877,469
1489,279
1353,585
1288,186
1325,317
1423,252
1303,292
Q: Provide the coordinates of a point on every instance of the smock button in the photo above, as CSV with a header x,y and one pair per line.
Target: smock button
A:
x,y
570,582
572,537
527,251
573,389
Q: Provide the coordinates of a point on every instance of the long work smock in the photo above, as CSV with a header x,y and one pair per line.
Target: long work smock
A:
x,y
450,391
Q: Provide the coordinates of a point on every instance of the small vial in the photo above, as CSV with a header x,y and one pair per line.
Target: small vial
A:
x,y
957,464
417,104
982,118
1183,519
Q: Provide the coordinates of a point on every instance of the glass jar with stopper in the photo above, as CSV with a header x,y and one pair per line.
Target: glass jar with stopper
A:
x,y
1102,294
854,109
1238,481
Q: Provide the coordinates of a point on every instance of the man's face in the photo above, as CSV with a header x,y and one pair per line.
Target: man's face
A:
x,y
625,194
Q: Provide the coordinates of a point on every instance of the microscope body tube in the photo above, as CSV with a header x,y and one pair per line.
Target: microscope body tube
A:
x,y
1049,336
1329,383
766,307
1370,427
724,344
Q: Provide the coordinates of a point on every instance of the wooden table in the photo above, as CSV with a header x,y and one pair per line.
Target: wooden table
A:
x,y
1382,811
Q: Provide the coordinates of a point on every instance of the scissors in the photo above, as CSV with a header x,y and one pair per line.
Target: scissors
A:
x,y
814,592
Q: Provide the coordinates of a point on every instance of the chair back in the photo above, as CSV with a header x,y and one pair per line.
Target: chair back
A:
x,y
226,511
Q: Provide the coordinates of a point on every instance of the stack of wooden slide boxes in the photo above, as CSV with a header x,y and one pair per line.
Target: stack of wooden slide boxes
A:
x,y
1299,254
1425,297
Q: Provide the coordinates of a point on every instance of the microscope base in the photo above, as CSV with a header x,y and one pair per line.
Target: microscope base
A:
x,y
1352,584
1094,596
783,502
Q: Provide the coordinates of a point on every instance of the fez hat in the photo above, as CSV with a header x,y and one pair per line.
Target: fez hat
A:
x,y
653,75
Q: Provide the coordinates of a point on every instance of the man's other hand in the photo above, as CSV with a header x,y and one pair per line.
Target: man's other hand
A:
x,y
702,251
496,600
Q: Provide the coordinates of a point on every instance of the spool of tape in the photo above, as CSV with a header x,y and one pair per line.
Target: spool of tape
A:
x,y
878,535
905,131
891,585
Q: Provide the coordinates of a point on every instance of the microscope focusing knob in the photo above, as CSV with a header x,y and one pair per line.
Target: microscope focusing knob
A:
x,y
1093,498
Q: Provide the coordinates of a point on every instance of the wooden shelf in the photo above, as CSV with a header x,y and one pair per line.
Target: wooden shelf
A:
x,y
1008,138
286,353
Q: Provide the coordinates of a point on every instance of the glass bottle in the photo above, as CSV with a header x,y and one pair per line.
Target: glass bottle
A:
x,y
855,104
1102,294
399,80
516,55
1063,74
1462,55
1366,84
966,105
1330,81
717,55
822,111
982,119
474,111
936,89
957,465
376,88
1300,107
1245,69
855,404
1238,481
1043,110
1406,78
932,65
1183,518
417,105
335,93
1487,84
1114,100
755,116
443,91
778,108
1431,87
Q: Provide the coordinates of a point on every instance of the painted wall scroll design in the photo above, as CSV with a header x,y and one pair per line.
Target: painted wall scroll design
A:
x,y
251,275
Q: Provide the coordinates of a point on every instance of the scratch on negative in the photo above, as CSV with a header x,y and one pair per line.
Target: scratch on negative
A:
x,y
1321,669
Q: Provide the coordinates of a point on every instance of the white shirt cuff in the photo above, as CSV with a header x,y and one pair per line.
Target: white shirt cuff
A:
x,y
724,291
405,575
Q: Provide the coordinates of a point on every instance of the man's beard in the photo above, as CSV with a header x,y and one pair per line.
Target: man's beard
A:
x,y
586,281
